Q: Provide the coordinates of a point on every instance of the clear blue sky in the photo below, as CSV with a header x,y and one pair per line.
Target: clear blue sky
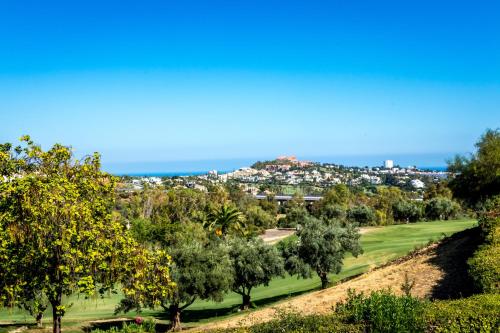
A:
x,y
156,81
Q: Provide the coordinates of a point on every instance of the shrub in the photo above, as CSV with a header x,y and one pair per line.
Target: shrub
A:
x,y
441,209
147,326
292,322
406,211
362,214
294,216
479,313
382,311
484,266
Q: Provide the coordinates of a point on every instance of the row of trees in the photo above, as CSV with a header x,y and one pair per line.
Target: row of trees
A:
x,y
213,258
62,232
387,205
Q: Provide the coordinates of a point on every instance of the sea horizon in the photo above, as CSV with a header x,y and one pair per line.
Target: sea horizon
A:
x,y
204,172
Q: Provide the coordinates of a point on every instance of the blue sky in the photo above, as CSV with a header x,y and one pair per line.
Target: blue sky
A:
x,y
162,81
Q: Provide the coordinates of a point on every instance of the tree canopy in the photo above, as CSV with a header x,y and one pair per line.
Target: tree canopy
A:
x,y
58,235
320,247
254,263
478,176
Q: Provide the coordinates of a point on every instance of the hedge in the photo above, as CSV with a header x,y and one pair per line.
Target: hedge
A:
x,y
479,313
484,265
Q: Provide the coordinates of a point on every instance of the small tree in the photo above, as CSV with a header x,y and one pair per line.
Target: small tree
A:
x,y
320,248
478,176
198,272
406,211
57,232
441,209
362,214
254,264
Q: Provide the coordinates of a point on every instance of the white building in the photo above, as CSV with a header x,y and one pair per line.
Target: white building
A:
x,y
417,183
388,164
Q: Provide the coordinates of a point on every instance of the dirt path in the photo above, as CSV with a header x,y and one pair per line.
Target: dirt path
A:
x,y
424,267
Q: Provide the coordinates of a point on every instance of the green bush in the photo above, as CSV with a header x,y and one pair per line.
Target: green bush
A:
x,y
441,209
484,265
147,326
484,268
291,322
479,313
382,311
362,214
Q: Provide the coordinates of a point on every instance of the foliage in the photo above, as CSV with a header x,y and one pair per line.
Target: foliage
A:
x,y
221,221
362,214
406,211
146,279
440,208
478,313
147,326
478,176
484,266
254,263
292,322
436,190
258,217
320,247
382,311
57,232
295,211
199,272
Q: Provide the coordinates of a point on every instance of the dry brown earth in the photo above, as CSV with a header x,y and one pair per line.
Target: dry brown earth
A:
x,y
427,267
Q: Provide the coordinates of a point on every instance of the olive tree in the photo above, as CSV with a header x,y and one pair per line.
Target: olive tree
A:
x,y
198,271
254,263
320,247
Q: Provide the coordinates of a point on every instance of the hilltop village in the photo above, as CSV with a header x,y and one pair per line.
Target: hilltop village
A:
x,y
288,175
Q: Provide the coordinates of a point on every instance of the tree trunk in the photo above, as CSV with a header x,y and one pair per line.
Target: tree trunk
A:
x,y
324,280
175,318
56,318
246,302
56,313
39,317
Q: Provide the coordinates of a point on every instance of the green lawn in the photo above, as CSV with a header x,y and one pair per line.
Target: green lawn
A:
x,y
380,245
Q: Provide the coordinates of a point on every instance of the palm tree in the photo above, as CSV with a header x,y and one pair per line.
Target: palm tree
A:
x,y
224,219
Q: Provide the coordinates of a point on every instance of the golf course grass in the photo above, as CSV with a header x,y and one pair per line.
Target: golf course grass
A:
x,y
380,245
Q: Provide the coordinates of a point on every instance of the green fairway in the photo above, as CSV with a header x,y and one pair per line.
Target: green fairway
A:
x,y
380,245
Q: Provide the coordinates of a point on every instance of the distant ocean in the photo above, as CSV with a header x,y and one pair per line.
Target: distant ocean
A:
x,y
189,168
204,172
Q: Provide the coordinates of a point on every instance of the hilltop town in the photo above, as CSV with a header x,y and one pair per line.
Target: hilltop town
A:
x,y
287,175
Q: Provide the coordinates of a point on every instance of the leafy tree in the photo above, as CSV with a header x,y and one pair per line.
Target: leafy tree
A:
x,y
225,219
384,202
362,214
199,271
295,211
407,211
440,189
57,232
337,195
320,247
254,263
333,211
258,217
441,209
478,176
270,205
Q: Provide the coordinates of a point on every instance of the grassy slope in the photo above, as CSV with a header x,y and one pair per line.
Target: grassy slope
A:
x,y
380,245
